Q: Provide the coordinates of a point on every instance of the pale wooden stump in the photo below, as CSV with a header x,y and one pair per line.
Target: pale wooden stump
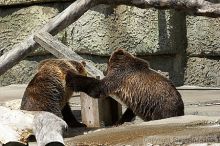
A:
x,y
99,112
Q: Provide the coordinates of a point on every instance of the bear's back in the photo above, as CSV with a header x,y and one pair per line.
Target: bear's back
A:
x,y
151,95
47,91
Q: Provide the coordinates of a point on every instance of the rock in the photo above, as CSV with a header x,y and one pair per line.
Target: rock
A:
x,y
17,23
203,35
23,72
20,73
202,72
104,28
13,104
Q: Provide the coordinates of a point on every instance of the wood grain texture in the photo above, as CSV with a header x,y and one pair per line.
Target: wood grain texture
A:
x,y
196,7
60,50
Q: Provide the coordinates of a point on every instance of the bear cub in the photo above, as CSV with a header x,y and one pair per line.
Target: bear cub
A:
x,y
146,93
50,91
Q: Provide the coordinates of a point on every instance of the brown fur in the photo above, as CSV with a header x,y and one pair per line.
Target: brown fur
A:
x,y
147,93
49,89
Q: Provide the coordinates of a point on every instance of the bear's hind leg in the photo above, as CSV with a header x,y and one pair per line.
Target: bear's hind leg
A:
x,y
69,118
127,116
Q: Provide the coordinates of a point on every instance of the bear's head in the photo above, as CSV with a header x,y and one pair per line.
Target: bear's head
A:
x,y
119,59
120,55
122,61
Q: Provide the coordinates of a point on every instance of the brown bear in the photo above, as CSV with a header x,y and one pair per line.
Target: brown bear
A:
x,y
146,93
49,89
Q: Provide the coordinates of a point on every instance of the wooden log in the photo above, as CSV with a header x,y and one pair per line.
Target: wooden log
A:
x,y
195,7
95,112
60,50
18,125
58,23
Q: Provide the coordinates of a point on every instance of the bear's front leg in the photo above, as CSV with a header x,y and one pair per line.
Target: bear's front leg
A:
x,y
89,85
69,118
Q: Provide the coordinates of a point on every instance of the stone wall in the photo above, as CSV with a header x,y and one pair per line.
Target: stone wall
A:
x,y
16,23
203,51
157,36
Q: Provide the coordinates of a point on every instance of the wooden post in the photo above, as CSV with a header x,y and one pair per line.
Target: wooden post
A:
x,y
95,112
99,112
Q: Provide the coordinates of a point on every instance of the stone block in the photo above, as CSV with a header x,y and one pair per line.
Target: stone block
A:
x,y
18,23
203,35
21,73
202,72
142,31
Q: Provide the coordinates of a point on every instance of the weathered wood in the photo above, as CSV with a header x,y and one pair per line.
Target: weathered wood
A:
x,y
196,7
58,23
90,111
95,112
99,112
60,50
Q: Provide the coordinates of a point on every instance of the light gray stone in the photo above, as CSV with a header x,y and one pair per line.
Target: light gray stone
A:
x,y
202,71
21,73
17,23
203,35
103,28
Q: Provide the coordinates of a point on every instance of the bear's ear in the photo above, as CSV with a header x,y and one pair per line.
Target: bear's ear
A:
x,y
83,63
119,53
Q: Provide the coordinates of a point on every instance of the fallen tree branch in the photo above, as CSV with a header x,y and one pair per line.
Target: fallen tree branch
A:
x,y
196,7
